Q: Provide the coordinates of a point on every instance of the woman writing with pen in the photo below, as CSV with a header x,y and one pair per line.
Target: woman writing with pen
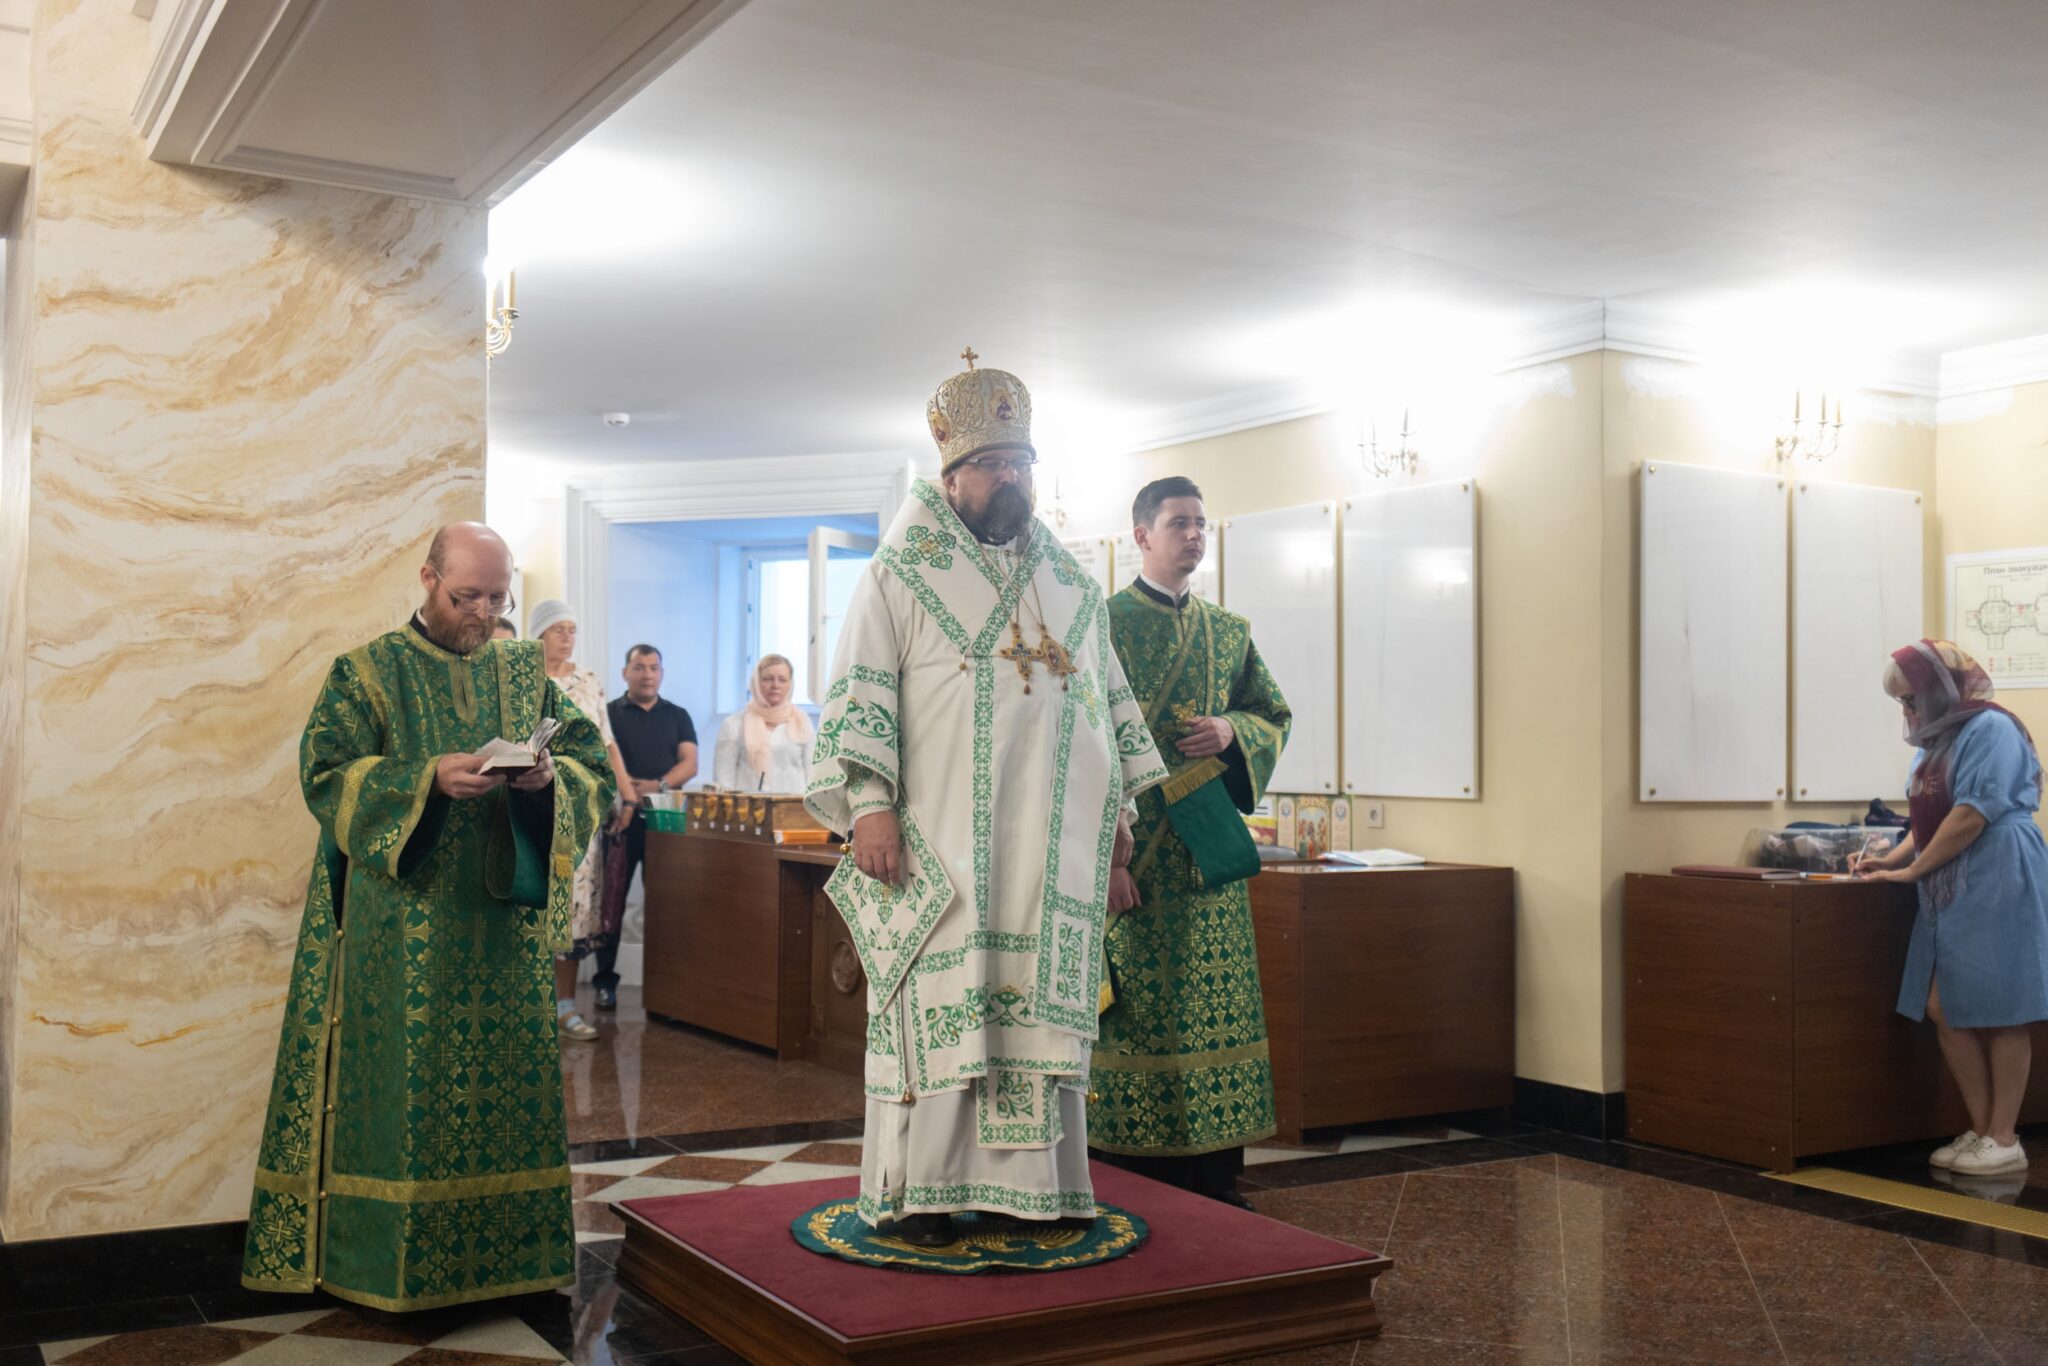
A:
x,y
1978,961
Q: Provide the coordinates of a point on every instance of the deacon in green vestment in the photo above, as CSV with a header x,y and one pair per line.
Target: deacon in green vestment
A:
x,y
1181,1072
414,1154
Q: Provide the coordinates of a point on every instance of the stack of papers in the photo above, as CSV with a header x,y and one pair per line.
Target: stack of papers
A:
x,y
1374,858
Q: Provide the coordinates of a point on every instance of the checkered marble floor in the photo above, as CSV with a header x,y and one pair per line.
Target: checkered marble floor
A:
x,y
319,1337
600,1185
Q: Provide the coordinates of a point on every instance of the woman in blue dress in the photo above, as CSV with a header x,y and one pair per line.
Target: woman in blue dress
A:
x,y
1978,961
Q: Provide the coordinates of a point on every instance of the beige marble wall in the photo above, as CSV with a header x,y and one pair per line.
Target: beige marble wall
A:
x,y
15,316
250,404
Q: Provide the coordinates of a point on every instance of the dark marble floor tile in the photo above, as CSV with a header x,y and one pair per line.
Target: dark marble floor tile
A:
x,y
1634,1157
758,1135
21,1356
1460,1152
633,1326
1861,1342
605,1250
1951,1233
1389,1350
1781,1194
1330,1354
201,1345
1357,1212
614,1149
1314,1171
1838,1293
2015,1346
1614,1327
1593,1283
829,1154
237,1303
731,1169
57,1273
1491,1304
1779,1241
1993,1292
98,1320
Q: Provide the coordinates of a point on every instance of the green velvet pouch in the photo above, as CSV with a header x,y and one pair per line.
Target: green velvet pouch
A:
x,y
1209,823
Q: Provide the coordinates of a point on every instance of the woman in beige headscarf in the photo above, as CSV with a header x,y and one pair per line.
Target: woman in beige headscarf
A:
x,y
554,626
766,745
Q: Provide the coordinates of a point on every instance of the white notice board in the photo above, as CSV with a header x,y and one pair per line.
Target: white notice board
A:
x,y
1857,595
1280,573
1094,555
1711,679
1411,642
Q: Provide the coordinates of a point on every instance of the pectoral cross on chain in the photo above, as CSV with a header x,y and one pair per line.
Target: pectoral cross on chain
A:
x,y
1048,652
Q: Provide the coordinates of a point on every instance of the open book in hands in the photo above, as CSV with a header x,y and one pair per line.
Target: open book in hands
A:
x,y
507,756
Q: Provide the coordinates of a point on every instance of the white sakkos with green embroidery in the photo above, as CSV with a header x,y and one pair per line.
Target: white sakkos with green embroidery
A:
x,y
976,692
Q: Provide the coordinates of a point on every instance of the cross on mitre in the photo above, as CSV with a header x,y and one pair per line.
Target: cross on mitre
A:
x,y
970,356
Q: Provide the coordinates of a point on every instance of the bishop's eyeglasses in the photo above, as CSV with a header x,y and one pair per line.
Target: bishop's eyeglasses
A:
x,y
995,464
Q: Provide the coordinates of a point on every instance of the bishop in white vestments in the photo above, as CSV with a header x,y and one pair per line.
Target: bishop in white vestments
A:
x,y
979,742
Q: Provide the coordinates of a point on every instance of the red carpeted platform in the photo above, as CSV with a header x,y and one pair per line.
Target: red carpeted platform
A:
x,y
1212,1284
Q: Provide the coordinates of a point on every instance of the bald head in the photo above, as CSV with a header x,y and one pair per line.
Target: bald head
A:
x,y
468,578
464,539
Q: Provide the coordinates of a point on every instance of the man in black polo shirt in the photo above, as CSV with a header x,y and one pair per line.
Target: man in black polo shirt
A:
x,y
659,745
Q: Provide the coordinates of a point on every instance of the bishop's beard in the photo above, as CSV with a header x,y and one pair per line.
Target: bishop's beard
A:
x,y
1002,518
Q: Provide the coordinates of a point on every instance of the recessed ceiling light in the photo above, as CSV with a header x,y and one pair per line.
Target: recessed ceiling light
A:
x,y
617,419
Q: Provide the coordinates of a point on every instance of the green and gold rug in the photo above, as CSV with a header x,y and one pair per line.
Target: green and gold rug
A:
x,y
987,1242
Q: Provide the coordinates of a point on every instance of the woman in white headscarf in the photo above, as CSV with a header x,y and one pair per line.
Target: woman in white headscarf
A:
x,y
766,745
554,626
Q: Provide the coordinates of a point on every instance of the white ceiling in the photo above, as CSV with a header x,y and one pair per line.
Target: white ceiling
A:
x,y
1142,208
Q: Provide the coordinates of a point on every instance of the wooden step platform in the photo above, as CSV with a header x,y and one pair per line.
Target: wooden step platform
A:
x,y
1212,1284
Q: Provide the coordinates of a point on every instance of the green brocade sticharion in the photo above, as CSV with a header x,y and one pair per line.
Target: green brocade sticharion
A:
x,y
414,1153
1181,1067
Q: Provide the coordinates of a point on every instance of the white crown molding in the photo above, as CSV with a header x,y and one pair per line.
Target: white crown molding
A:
x,y
206,99
2005,365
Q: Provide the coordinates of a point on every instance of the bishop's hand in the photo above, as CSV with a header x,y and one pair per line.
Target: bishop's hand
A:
x,y
537,778
878,846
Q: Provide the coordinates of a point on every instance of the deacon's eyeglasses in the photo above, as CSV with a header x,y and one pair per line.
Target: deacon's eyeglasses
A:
x,y
996,464
479,603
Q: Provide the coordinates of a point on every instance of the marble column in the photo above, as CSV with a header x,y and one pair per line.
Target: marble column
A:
x,y
235,410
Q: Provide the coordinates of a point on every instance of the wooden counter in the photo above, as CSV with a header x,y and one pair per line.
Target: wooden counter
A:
x,y
1389,992
729,935
1761,1024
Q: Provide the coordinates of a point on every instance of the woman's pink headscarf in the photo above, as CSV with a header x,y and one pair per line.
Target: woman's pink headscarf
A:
x,y
762,721
1948,688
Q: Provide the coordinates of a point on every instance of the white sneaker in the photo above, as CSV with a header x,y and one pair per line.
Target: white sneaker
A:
x,y
574,1026
1988,1158
1945,1156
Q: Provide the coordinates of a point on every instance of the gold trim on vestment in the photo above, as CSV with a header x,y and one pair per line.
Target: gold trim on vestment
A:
x,y
1177,1062
365,1298
1184,783
303,1184
1190,1150
445,1188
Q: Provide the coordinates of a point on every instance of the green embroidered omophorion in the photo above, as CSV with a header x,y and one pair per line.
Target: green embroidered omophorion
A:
x,y
414,1153
1181,1066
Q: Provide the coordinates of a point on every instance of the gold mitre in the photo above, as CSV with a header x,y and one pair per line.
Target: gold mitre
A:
x,y
978,410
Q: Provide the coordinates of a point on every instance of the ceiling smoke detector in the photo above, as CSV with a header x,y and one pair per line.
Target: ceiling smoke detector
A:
x,y
617,419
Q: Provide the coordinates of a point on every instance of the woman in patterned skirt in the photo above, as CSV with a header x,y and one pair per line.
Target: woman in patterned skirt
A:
x,y
1978,961
554,626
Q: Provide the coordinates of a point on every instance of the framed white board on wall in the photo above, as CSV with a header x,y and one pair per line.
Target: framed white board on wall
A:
x,y
1858,593
1093,554
1411,642
1711,669
1280,574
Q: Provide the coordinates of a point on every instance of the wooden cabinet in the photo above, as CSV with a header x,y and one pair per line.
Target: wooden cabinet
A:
x,y
1761,1022
729,927
1389,992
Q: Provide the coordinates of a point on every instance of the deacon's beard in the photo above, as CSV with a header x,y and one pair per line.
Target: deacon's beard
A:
x,y
1002,518
465,636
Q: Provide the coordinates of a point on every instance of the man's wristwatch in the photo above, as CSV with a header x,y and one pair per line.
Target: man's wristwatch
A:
x,y
664,784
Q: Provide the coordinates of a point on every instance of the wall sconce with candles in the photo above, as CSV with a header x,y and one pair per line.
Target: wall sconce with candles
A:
x,y
1383,463
1825,441
500,312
